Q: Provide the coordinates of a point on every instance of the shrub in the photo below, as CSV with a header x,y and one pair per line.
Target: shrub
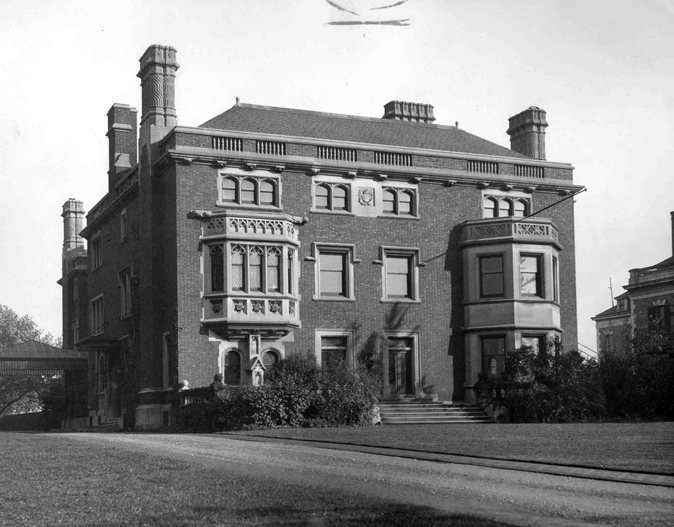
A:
x,y
296,393
551,386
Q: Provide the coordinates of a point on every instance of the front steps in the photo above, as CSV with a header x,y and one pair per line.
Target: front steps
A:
x,y
409,410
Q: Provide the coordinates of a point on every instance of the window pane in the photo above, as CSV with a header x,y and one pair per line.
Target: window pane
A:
x,y
322,199
529,275
339,198
489,208
503,208
388,201
229,190
493,355
491,276
232,368
273,270
405,203
255,269
217,269
333,351
398,277
267,193
291,281
269,359
248,191
332,274
238,277
519,209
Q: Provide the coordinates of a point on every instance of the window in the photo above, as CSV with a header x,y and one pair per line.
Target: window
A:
x,y
502,207
608,342
530,275
555,279
96,252
96,315
334,347
217,269
334,277
538,343
400,274
491,276
232,368
122,225
333,197
399,202
252,191
659,318
125,293
75,327
333,351
270,358
493,355
252,269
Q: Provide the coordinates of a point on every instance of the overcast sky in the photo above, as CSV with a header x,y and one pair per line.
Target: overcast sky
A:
x,y
603,71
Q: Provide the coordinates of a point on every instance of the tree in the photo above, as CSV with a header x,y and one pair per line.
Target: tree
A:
x,y
19,394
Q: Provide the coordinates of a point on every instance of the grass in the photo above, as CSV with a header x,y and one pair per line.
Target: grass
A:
x,y
640,447
50,480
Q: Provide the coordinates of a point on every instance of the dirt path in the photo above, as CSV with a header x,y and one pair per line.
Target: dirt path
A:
x,y
521,498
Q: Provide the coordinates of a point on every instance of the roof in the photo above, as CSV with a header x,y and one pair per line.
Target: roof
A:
x,y
34,350
669,262
319,125
37,358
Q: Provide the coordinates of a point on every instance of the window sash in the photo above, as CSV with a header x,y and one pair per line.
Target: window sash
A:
x,y
398,277
530,275
491,276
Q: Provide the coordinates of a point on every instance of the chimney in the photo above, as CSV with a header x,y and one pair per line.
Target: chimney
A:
x,y
527,132
408,111
672,216
158,67
73,213
122,141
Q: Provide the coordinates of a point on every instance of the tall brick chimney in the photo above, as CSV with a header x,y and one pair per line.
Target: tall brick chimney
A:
x,y
73,214
122,141
158,67
527,132
408,111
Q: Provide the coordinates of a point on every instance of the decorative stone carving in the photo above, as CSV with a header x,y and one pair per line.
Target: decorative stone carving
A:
x,y
250,166
258,306
241,306
291,308
216,306
489,231
276,307
366,196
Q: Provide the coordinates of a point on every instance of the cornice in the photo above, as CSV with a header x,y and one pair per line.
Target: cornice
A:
x,y
311,166
370,146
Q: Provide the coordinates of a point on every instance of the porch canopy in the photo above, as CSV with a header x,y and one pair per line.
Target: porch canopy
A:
x,y
37,358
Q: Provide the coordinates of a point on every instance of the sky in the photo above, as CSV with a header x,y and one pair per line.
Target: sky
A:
x,y
603,71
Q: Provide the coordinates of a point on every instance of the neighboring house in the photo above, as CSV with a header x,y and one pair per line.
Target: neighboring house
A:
x,y
269,231
646,303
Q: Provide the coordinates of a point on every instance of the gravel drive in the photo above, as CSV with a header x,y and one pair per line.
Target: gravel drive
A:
x,y
521,498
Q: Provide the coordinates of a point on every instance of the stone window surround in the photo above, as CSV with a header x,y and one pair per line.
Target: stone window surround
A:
x,y
350,343
258,176
412,253
349,252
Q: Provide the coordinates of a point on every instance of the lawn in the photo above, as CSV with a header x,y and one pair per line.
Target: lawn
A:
x,y
641,447
51,480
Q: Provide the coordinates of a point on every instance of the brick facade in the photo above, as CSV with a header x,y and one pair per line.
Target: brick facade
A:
x,y
179,329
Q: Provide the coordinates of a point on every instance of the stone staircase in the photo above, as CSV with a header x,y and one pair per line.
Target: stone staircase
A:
x,y
410,410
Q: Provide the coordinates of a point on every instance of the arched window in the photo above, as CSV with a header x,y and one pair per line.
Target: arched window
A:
x,y
229,193
490,210
270,358
248,187
217,269
405,203
339,198
255,268
267,192
389,201
238,268
322,200
504,208
519,208
232,368
273,270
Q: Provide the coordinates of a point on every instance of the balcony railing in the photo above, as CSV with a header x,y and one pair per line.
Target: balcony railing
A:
x,y
524,229
266,311
252,228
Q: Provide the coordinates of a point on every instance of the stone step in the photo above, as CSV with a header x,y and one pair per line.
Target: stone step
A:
x,y
438,421
412,410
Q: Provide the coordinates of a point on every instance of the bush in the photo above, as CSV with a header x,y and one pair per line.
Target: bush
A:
x,y
550,387
296,393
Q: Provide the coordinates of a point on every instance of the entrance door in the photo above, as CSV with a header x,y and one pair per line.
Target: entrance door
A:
x,y
400,352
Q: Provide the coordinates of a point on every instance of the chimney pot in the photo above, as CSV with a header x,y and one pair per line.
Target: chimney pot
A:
x,y
158,67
